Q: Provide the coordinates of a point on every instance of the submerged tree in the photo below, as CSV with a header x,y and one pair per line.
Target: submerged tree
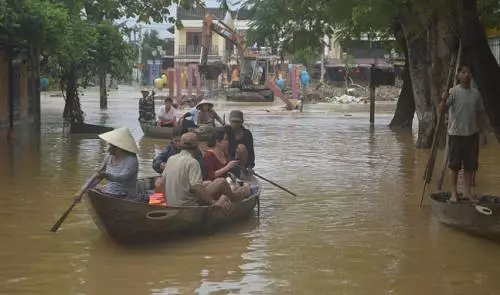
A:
x,y
429,34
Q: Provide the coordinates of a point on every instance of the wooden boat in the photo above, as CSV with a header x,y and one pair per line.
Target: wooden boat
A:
x,y
84,128
151,130
481,219
131,222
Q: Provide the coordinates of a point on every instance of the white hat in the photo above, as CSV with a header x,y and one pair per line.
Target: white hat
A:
x,y
121,138
198,106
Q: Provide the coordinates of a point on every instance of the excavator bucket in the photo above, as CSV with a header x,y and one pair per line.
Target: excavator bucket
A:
x,y
212,71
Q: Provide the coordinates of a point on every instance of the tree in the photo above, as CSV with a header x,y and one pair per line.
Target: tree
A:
x,y
111,55
150,42
32,27
430,31
111,10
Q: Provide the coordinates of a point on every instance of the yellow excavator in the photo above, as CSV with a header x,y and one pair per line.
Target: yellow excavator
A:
x,y
253,69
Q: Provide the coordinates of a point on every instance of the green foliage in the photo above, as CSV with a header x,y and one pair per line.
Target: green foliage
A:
x,y
150,43
76,53
306,56
489,13
38,22
110,53
298,24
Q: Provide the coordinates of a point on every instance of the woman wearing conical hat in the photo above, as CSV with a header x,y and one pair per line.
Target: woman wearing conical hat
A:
x,y
206,114
121,165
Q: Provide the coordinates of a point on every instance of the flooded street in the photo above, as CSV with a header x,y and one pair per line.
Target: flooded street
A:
x,y
355,227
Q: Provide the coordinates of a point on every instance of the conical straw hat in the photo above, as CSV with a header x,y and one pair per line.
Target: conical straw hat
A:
x,y
198,106
121,138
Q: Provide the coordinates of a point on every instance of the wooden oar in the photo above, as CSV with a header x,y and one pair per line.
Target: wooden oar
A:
x,y
429,169
275,184
444,164
93,181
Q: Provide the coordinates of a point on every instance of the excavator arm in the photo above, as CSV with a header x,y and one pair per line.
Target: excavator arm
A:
x,y
212,71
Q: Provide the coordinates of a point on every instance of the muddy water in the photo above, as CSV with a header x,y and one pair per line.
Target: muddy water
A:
x,y
354,229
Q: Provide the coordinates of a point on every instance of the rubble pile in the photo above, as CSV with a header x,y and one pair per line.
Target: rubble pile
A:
x,y
354,94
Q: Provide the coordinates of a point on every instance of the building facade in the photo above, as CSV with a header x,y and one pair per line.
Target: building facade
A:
x,y
22,105
188,39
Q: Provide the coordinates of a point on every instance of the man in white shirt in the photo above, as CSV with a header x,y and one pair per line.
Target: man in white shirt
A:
x,y
167,116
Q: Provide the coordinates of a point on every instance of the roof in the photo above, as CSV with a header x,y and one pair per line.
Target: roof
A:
x,y
219,13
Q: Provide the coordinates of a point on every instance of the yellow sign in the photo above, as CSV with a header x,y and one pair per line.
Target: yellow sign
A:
x,y
492,32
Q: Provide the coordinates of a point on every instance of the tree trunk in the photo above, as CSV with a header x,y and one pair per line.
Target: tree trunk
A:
x,y
477,54
442,45
72,109
36,61
405,108
103,90
418,69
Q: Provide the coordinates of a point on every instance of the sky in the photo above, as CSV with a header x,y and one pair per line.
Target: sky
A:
x,y
162,28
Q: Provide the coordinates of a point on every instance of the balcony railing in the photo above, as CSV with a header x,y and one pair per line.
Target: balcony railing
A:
x,y
195,50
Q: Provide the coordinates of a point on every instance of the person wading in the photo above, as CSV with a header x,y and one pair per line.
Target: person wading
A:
x,y
465,123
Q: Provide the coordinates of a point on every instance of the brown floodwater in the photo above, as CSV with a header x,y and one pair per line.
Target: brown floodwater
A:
x,y
355,227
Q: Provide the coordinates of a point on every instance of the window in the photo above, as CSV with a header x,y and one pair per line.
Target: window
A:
x,y
193,39
193,42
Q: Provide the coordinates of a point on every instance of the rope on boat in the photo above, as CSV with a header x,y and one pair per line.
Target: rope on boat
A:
x,y
483,210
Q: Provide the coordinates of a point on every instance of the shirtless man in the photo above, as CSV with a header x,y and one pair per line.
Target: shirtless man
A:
x,y
465,123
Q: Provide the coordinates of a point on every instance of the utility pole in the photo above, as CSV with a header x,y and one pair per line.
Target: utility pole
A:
x,y
139,56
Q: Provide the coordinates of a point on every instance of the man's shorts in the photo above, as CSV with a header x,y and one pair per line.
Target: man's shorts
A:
x,y
463,152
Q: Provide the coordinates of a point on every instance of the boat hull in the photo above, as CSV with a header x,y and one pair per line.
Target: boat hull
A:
x,y
466,217
130,222
154,131
84,128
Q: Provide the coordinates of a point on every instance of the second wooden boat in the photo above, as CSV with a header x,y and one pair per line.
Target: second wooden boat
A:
x,y
151,130
84,128
481,218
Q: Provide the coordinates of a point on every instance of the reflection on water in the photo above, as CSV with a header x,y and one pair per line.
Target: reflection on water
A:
x,y
355,227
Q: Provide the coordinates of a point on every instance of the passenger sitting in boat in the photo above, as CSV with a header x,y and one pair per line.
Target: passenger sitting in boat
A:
x,y
216,158
146,107
121,165
217,163
184,184
240,143
192,109
188,120
167,114
206,115
173,148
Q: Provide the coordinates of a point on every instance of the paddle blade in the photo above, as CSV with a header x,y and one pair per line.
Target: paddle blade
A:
x,y
93,181
57,225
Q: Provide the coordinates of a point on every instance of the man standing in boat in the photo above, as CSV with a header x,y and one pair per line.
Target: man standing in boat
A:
x,y
465,124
